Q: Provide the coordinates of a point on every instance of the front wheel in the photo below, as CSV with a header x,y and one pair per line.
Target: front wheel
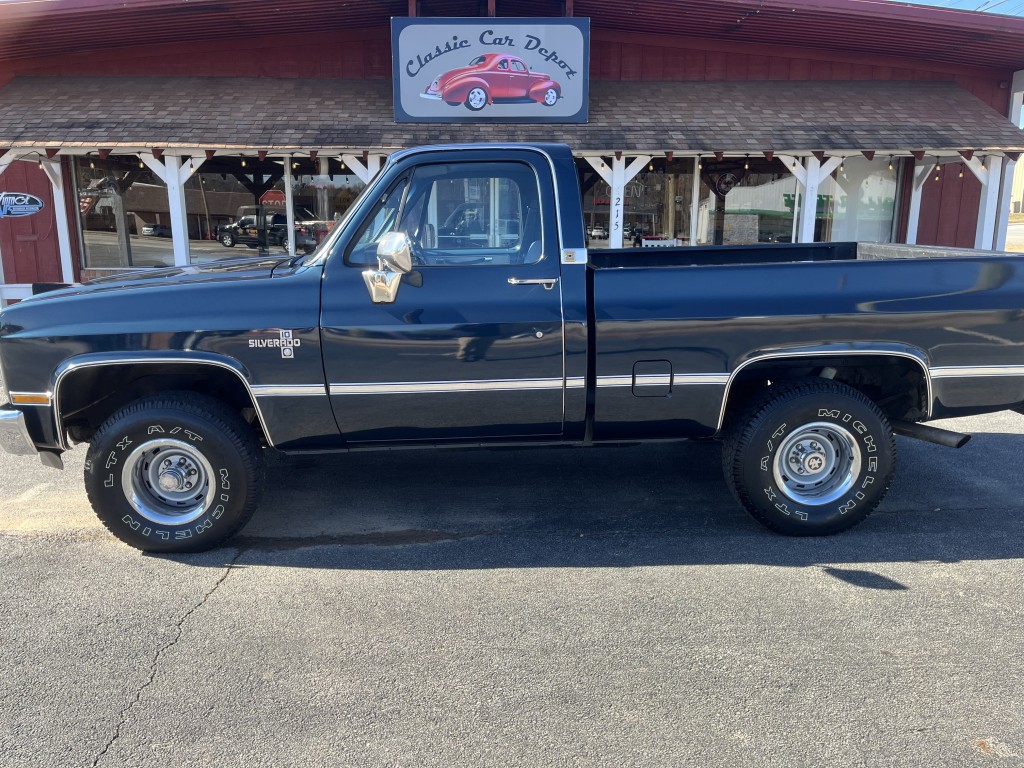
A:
x,y
227,240
179,472
476,99
810,458
550,97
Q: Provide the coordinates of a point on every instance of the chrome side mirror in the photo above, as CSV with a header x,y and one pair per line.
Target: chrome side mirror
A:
x,y
394,251
394,259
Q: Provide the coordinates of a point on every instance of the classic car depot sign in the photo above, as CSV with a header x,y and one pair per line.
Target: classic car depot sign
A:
x,y
491,70
19,204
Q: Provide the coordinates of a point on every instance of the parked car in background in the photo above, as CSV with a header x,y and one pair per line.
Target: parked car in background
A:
x,y
156,230
599,232
272,230
493,78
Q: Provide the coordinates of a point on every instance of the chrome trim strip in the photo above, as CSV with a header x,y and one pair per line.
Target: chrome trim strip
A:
x,y
425,387
687,379
576,382
829,353
70,366
660,380
47,395
969,371
289,390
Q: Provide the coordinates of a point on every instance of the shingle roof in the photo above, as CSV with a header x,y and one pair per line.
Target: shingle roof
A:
x,y
265,113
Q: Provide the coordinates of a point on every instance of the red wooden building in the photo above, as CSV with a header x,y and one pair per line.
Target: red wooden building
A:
x,y
147,129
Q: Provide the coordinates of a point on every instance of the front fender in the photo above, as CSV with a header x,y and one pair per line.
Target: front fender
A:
x,y
537,90
460,90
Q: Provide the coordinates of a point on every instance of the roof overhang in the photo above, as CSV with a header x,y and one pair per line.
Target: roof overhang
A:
x,y
76,115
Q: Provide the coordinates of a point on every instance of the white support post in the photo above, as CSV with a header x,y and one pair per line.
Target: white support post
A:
x,y
1003,211
289,203
616,177
695,201
809,210
364,172
984,237
173,173
60,212
1006,189
810,177
176,203
921,175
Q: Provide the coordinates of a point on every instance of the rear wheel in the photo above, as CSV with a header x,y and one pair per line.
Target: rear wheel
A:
x,y
808,458
179,472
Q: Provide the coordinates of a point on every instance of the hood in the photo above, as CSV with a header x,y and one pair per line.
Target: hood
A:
x,y
225,270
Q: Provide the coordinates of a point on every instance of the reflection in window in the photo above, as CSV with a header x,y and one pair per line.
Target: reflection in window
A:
x,y
656,205
745,201
474,213
857,203
123,213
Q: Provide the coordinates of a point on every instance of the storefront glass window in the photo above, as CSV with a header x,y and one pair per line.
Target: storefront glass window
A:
x,y
234,207
656,205
858,203
745,201
123,213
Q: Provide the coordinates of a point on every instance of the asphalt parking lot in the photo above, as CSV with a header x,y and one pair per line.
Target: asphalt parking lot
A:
x,y
562,607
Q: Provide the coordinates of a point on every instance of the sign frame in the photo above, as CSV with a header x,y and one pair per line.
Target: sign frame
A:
x,y
454,29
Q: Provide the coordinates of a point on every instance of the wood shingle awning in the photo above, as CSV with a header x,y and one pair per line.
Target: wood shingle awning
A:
x,y
125,114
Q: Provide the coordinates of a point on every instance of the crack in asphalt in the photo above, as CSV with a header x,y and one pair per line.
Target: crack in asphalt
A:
x,y
123,718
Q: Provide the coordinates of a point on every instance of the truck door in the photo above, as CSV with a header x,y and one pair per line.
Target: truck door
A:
x,y
472,346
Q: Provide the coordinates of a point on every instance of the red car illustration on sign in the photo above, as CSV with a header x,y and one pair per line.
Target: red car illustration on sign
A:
x,y
492,78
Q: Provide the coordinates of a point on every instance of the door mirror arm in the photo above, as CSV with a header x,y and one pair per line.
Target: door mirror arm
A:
x,y
394,259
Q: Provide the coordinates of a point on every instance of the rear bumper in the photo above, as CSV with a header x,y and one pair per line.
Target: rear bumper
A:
x,y
14,436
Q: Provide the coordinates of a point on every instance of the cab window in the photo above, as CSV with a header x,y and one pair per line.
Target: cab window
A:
x,y
459,214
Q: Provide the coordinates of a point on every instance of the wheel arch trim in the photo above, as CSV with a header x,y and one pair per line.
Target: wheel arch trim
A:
x,y
81,362
904,352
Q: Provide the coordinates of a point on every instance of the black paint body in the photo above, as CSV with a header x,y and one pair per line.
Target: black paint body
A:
x,y
686,318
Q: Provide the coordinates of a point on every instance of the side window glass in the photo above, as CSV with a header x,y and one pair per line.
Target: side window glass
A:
x,y
460,214
518,66
503,64
381,220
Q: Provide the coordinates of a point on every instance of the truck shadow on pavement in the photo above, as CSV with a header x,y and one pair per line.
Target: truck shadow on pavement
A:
x,y
664,504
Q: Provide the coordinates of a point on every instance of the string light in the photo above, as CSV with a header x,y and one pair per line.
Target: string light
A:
x,y
650,167
961,171
243,162
700,163
890,162
92,164
746,163
842,165
794,163
141,164
937,172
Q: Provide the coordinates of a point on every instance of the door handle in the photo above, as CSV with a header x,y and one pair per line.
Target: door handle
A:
x,y
547,282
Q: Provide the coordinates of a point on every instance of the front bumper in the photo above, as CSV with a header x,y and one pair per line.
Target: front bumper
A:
x,y
14,436
433,96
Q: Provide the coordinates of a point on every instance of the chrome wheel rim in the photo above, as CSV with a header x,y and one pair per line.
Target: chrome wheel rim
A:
x,y
168,482
550,97
817,464
226,239
477,98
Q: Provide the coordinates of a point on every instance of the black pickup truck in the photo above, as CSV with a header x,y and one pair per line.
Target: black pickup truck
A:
x,y
396,333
